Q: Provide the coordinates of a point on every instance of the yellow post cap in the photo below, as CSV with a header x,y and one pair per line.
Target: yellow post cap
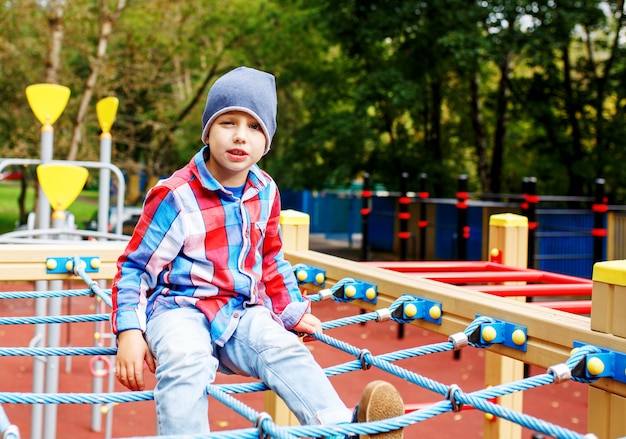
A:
x,y
294,217
610,272
106,109
508,220
61,183
47,101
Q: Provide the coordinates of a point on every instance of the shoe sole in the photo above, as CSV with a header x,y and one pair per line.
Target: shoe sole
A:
x,y
380,400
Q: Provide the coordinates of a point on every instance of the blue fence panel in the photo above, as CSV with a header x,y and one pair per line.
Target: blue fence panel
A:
x,y
382,224
564,243
563,240
334,214
446,236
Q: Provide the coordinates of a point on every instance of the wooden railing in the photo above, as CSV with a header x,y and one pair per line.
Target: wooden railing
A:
x,y
550,334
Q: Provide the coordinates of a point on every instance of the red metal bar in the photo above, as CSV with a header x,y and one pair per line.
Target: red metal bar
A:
x,y
475,271
571,306
534,290
486,277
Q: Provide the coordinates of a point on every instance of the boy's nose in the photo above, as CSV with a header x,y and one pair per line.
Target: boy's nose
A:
x,y
240,135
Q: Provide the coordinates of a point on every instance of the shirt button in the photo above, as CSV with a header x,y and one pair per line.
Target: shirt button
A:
x,y
236,315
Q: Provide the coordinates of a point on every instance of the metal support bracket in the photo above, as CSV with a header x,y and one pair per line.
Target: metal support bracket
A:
x,y
356,289
309,274
499,331
604,364
414,307
65,265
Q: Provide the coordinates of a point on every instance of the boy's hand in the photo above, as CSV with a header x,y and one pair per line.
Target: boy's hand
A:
x,y
308,324
132,352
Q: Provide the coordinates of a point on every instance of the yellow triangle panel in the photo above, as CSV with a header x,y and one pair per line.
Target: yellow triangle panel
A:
x,y
61,183
47,101
106,109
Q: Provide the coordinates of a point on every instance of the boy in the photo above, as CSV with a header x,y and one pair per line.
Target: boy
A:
x,y
203,284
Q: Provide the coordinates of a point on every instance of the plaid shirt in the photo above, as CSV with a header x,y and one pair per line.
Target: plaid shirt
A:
x,y
197,245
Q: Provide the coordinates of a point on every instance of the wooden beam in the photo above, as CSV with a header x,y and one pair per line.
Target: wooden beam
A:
x,y
27,262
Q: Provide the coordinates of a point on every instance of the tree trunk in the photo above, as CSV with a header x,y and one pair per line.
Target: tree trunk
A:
x,y
572,108
56,23
480,142
107,22
497,158
433,136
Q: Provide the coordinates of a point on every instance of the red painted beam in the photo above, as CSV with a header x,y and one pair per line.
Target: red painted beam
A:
x,y
572,306
534,290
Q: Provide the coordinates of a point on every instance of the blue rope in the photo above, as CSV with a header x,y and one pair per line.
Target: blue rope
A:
x,y
249,433
262,420
54,319
55,352
43,294
74,398
264,426
79,270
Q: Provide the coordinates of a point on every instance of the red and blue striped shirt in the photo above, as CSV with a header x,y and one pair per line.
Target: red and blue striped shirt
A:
x,y
196,244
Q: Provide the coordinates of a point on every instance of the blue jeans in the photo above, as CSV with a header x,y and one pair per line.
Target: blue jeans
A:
x,y
187,361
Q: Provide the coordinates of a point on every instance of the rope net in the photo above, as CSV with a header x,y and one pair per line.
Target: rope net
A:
x,y
452,398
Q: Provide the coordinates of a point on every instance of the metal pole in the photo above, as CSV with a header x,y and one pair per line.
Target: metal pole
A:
x,y
39,339
403,216
532,199
462,229
103,220
403,235
55,306
366,202
105,183
600,209
423,221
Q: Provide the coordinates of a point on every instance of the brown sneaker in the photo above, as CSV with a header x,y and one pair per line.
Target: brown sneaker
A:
x,y
380,400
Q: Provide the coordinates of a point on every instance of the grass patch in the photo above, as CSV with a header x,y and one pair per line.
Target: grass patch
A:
x,y
83,208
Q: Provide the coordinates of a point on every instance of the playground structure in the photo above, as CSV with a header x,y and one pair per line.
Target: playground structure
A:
x,y
511,331
64,179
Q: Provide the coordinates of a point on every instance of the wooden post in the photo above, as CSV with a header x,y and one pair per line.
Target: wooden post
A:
x,y
508,234
294,227
295,232
606,407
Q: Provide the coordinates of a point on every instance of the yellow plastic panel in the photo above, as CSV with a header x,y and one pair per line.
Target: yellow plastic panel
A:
x,y
61,183
47,101
107,109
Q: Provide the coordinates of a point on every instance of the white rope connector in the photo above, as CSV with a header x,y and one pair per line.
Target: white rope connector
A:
x,y
383,315
561,372
458,340
326,293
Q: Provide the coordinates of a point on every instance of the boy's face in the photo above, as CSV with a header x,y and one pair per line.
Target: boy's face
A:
x,y
236,142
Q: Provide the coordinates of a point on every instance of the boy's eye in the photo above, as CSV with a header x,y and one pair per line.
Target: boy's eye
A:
x,y
255,126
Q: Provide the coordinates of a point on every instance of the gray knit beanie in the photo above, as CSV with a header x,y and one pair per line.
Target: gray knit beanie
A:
x,y
243,89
